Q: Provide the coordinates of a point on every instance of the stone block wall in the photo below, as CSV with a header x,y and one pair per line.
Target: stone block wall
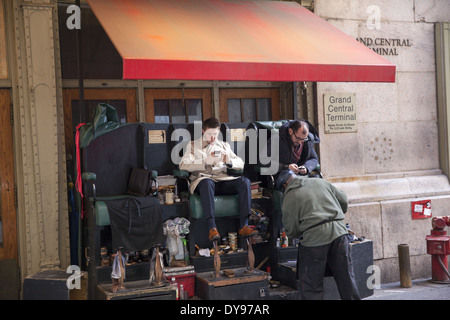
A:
x,y
393,157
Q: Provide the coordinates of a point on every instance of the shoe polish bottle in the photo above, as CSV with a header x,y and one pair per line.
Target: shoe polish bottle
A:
x,y
182,292
185,250
175,285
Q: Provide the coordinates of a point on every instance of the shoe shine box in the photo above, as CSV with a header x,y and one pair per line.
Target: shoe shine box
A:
x,y
244,284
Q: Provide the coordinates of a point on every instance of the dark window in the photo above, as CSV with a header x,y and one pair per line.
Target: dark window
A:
x,y
174,111
249,109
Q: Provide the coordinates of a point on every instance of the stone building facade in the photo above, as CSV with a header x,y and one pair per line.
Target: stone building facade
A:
x,y
393,158
393,153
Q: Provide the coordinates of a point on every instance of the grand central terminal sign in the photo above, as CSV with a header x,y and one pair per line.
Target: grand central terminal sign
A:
x,y
340,112
385,46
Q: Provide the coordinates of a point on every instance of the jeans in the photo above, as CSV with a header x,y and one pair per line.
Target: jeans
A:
x,y
208,188
312,263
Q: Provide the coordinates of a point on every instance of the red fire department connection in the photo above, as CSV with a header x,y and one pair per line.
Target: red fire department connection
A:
x,y
438,245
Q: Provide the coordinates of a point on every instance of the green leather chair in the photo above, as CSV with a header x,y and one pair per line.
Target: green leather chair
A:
x,y
100,208
225,205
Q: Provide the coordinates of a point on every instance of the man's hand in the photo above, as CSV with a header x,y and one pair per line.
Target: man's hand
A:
x,y
298,170
216,157
302,170
293,167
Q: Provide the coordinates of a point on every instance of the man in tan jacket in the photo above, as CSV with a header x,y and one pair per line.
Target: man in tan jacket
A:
x,y
208,158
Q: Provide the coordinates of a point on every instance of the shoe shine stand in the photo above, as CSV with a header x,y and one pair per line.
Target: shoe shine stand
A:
x,y
237,283
151,288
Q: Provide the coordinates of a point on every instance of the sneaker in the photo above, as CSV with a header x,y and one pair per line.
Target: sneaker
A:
x,y
214,234
246,231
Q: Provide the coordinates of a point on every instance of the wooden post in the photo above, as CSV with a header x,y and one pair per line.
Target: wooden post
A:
x,y
217,261
158,268
122,271
251,255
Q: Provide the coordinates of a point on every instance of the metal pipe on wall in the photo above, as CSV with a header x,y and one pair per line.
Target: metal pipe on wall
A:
x,y
404,266
83,113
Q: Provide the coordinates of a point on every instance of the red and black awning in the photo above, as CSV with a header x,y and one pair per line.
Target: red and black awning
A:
x,y
234,40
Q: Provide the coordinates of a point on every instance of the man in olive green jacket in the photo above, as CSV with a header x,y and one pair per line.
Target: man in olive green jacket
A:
x,y
313,211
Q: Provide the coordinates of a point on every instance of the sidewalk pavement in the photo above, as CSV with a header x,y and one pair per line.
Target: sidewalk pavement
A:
x,y
422,289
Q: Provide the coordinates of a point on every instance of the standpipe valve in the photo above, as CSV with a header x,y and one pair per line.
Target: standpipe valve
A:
x,y
438,246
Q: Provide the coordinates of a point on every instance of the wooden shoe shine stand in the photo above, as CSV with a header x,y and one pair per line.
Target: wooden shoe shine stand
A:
x,y
243,284
133,290
141,289
230,277
230,284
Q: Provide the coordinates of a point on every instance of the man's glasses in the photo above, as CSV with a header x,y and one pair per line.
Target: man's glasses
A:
x,y
298,138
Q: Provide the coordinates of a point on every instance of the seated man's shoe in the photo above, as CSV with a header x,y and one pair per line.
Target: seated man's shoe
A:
x,y
246,231
214,234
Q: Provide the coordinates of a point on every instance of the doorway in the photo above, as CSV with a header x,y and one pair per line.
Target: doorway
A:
x,y
177,105
9,275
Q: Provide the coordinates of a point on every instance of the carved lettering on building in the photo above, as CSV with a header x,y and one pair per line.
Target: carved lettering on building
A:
x,y
385,46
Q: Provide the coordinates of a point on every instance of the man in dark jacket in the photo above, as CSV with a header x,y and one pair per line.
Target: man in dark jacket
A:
x,y
296,147
313,211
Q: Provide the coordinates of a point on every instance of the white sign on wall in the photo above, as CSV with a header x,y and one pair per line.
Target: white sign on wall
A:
x,y
340,112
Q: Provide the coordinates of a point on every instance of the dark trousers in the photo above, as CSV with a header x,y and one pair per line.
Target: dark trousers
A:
x,y
207,188
312,263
